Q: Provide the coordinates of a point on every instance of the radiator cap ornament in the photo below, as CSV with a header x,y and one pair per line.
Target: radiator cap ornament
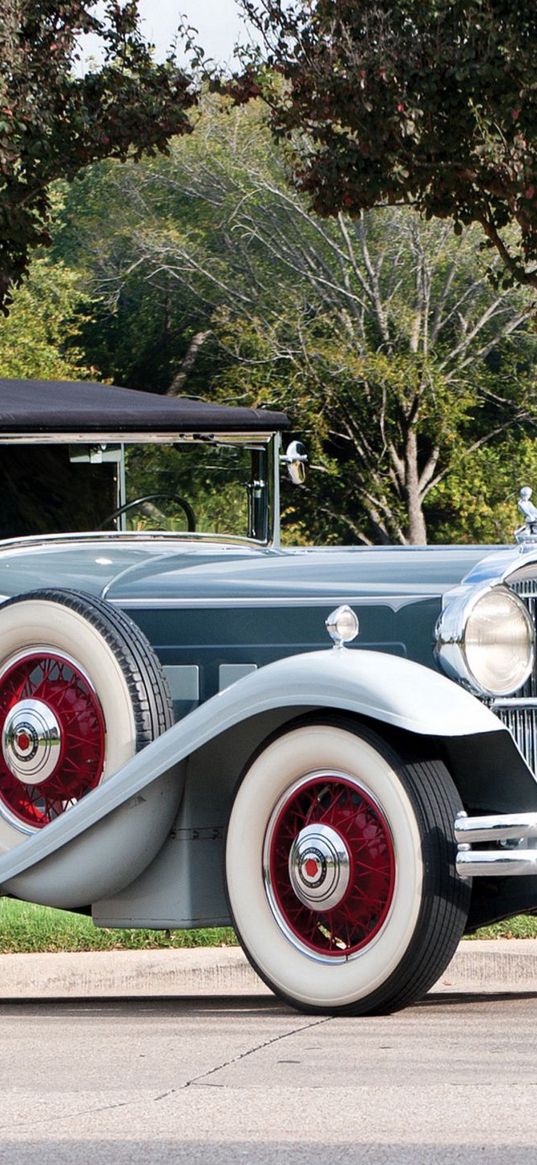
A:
x,y
527,532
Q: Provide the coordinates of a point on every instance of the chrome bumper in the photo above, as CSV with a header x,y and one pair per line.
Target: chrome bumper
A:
x,y
509,832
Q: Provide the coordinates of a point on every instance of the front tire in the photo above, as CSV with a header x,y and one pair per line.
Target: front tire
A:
x,y
340,870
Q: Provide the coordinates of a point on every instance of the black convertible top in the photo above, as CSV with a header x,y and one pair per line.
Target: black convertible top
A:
x,y
64,407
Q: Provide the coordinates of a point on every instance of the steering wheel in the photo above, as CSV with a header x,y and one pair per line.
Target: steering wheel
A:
x,y
185,506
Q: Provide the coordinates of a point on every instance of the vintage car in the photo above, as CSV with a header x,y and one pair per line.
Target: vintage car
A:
x,y
334,749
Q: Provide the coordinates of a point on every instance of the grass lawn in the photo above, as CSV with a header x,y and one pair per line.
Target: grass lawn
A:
x,y
521,926
24,927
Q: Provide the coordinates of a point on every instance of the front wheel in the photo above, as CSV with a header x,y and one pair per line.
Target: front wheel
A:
x,y
340,870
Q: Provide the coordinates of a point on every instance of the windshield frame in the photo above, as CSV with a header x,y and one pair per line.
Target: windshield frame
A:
x,y
264,487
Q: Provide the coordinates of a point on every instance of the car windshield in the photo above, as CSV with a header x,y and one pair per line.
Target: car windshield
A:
x,y
207,487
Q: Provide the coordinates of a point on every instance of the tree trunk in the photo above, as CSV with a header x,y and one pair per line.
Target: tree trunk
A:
x,y
189,360
417,530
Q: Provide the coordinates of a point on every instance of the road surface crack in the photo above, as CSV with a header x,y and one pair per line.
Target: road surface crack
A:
x,y
199,1080
203,1076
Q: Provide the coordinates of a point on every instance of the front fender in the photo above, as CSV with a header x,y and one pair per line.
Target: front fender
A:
x,y
107,839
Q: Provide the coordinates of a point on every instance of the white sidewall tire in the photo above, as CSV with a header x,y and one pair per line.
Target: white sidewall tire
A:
x,y
298,976
39,624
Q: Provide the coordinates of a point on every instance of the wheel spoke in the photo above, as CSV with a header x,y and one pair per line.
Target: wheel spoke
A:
x,y
45,687
350,850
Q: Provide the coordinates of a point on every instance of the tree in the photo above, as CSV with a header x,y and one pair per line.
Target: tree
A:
x,y
431,103
41,336
54,121
381,336
140,332
478,497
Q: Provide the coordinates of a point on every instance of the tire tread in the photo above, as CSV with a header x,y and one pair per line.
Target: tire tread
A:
x,y
139,663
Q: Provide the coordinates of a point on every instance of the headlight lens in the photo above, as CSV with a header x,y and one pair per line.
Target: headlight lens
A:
x,y
498,642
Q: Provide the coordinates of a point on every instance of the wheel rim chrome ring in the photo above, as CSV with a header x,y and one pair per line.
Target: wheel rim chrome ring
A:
x,y
338,876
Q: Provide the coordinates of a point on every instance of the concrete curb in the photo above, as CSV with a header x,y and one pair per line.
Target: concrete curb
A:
x,y
492,965
196,971
481,966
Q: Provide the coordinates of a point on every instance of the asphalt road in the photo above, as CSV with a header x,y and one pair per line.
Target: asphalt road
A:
x,y
453,1079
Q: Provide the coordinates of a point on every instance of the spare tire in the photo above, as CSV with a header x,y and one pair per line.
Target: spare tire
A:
x,y
81,691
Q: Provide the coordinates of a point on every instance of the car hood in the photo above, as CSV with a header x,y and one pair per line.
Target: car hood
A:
x,y
169,569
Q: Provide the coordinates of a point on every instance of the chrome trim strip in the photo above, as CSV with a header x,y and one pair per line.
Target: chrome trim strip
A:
x,y
125,536
496,863
123,437
513,703
296,601
509,827
276,501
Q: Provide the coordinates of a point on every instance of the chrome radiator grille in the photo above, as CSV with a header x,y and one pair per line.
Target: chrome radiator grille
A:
x,y
519,713
522,722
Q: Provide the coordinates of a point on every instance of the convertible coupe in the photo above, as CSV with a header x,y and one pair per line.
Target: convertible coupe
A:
x,y
332,749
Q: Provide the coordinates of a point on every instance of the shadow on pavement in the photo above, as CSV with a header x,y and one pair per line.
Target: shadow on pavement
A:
x,y
227,1005
258,1152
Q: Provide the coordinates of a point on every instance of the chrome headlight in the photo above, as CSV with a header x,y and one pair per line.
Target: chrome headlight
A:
x,y
486,639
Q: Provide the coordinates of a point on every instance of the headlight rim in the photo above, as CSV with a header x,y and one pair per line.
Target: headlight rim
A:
x,y
451,630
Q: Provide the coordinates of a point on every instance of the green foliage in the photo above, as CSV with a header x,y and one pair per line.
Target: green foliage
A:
x,y
25,928
425,102
382,336
40,338
28,928
355,413
54,121
477,500
143,321
211,479
520,926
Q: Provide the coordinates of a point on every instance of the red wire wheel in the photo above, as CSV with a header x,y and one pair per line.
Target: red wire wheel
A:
x,y
329,865
53,738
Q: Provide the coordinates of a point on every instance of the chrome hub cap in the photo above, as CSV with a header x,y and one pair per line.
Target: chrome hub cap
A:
x,y
319,867
31,741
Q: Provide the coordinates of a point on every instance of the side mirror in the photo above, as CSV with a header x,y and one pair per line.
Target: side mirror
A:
x,y
296,459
